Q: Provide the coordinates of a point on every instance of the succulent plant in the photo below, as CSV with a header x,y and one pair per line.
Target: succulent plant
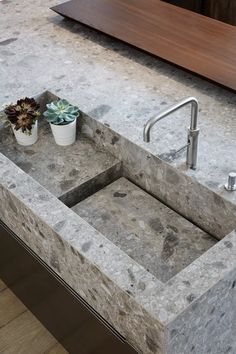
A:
x,y
23,114
61,112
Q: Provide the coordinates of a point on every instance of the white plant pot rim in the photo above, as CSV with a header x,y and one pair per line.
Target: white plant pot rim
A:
x,y
63,125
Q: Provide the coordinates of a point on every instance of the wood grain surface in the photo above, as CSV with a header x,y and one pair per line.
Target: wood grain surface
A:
x,y
57,349
195,42
20,331
10,307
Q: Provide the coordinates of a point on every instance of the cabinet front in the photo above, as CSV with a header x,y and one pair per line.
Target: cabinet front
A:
x,y
66,316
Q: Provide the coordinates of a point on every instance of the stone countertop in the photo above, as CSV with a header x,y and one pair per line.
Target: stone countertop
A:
x,y
83,168
123,87
154,317
116,84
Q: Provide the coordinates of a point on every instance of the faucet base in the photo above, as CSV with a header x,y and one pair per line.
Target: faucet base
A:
x,y
192,148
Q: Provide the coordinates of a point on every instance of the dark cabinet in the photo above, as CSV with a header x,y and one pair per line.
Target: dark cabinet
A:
x,y
68,317
222,10
193,5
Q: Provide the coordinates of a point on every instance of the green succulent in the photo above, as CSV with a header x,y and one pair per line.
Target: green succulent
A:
x,y
61,112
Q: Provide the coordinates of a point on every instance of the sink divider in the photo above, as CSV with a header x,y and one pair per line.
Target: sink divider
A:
x,y
81,192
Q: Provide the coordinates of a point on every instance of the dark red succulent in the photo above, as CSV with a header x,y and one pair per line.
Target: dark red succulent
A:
x,y
23,114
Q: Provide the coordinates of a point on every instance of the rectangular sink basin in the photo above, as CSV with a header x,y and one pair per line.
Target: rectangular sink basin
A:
x,y
152,234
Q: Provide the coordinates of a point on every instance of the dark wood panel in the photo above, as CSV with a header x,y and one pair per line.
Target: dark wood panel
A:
x,y
195,42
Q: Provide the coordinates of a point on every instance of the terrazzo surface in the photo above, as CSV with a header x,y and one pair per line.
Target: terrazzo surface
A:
x,y
60,169
123,87
153,235
116,84
154,317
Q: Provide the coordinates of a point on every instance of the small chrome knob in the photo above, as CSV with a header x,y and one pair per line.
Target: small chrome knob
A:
x,y
231,186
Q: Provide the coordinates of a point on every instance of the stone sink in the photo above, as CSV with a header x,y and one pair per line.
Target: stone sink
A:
x,y
148,247
152,234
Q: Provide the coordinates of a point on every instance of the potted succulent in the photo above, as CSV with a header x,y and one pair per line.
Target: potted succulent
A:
x,y
62,117
23,117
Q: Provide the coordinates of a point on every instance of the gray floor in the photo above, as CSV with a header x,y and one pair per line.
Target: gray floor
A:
x,y
116,84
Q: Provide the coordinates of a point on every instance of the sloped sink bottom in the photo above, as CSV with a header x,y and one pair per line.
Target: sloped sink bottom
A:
x,y
152,234
67,172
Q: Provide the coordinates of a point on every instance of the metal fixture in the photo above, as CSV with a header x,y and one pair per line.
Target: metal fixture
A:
x,y
193,131
231,185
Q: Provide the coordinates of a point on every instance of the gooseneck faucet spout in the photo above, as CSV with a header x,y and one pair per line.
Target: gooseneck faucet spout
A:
x,y
193,131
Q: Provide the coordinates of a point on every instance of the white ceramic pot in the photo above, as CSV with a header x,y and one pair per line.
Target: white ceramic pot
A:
x,y
26,138
64,134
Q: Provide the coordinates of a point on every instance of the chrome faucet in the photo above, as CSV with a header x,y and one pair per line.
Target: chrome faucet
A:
x,y
193,131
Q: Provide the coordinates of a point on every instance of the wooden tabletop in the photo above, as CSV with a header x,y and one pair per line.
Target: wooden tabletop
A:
x,y
195,42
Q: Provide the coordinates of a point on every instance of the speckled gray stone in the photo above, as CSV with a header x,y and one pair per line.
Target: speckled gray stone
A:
x,y
62,170
79,254
153,235
116,84
191,199
154,317
122,87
